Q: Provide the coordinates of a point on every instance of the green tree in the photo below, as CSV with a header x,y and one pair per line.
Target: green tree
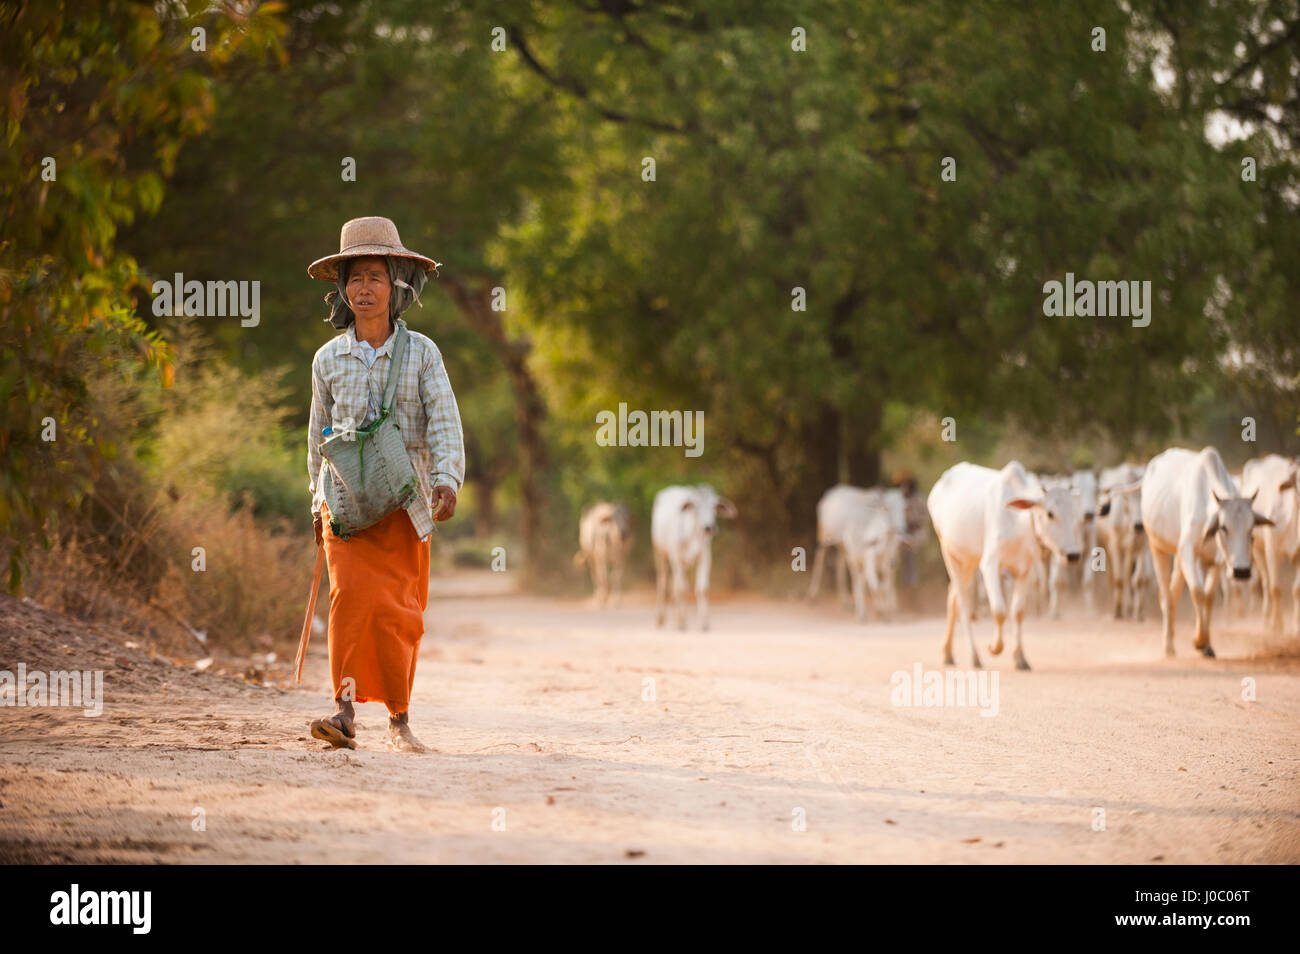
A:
x,y
98,99
821,170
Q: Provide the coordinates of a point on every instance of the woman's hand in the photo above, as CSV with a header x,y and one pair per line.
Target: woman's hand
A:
x,y
319,528
444,503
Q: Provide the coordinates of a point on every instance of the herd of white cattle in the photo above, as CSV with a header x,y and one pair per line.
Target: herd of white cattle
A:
x,y
1181,518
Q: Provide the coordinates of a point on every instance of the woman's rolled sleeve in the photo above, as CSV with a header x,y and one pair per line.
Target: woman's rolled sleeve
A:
x,y
443,433
321,407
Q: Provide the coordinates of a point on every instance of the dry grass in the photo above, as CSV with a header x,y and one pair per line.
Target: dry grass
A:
x,y
129,555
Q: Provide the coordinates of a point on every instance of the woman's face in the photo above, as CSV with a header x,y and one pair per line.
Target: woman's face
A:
x,y
369,288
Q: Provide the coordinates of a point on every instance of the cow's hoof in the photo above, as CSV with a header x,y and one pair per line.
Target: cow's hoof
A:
x,y
948,660
976,664
1021,664
1207,650
704,627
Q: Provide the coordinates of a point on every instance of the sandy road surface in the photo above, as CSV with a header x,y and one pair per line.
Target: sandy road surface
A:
x,y
538,713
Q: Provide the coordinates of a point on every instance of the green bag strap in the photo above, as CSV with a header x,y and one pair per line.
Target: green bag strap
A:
x,y
390,391
395,367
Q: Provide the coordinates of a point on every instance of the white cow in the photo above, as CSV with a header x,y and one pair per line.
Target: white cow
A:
x,y
1271,482
994,520
1193,515
1238,594
1143,573
604,537
838,506
1085,482
870,547
1054,574
681,530
1120,531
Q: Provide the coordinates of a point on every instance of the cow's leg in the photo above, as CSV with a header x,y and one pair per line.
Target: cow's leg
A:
x,y
1270,569
1119,571
889,585
997,600
1043,587
1169,581
1258,562
1089,576
1115,577
661,586
1055,583
858,583
877,579
1018,598
702,586
1256,582
960,602
1197,579
679,592
1134,554
819,564
1138,587
842,575
1133,557
1295,591
1211,587
1129,556
965,603
954,606
1037,602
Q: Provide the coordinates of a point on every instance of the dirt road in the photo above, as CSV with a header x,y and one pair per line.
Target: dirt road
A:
x,y
564,734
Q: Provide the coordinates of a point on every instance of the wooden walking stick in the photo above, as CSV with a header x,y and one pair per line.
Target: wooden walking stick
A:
x,y
311,613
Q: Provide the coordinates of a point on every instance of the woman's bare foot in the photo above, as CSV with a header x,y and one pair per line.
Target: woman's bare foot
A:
x,y
400,736
338,730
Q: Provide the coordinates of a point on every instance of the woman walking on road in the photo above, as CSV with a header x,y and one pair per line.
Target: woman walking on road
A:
x,y
378,371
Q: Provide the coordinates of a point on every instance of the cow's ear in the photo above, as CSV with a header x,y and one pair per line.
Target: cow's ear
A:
x,y
1023,503
727,509
1288,483
687,504
1104,509
1212,527
1260,519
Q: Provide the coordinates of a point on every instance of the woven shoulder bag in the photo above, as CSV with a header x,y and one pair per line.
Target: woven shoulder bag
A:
x,y
368,473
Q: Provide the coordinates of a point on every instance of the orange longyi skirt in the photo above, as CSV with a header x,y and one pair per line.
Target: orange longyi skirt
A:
x,y
379,588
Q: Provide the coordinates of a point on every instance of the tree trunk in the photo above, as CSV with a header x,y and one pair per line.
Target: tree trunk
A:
x,y
819,451
861,451
474,298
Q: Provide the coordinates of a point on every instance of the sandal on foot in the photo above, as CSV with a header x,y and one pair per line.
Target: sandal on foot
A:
x,y
334,731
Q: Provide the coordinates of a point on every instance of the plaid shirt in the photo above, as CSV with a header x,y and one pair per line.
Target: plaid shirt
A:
x,y
345,393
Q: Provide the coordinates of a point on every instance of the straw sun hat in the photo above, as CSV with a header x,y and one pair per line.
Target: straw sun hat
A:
x,y
372,235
